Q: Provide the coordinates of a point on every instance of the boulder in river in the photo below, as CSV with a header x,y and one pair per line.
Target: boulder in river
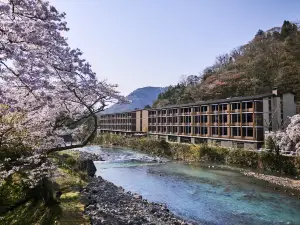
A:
x,y
88,166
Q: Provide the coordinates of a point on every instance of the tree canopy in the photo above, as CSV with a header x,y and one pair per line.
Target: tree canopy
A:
x,y
44,83
271,59
47,91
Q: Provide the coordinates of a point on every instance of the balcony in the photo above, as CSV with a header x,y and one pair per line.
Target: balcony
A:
x,y
248,110
248,124
248,138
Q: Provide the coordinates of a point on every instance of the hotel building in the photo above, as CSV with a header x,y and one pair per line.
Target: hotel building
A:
x,y
238,122
125,122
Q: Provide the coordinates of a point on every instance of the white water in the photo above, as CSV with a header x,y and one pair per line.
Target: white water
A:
x,y
207,196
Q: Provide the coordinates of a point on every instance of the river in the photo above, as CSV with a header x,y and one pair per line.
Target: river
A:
x,y
203,195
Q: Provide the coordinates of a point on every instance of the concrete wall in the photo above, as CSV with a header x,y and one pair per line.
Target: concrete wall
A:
x,y
227,144
266,119
289,107
250,146
192,140
276,113
210,142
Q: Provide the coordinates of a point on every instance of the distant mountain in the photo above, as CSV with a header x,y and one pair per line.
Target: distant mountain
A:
x,y
138,99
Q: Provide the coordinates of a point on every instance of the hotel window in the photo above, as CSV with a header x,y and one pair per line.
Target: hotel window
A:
x,y
235,106
235,118
203,119
215,119
236,131
224,107
175,129
214,107
223,131
215,131
203,108
223,118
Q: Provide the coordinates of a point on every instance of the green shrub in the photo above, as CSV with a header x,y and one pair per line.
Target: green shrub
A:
x,y
242,158
187,152
268,161
70,161
297,164
195,152
213,154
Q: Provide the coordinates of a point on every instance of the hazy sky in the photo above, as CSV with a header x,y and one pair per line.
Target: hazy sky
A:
x,y
137,43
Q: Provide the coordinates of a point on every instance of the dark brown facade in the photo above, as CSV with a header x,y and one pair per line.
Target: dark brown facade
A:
x,y
126,122
234,122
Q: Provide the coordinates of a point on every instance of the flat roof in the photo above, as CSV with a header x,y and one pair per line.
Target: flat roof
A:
x,y
232,99
209,102
136,110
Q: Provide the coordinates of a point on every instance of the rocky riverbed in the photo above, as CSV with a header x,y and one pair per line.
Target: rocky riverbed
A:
x,y
281,181
108,204
89,156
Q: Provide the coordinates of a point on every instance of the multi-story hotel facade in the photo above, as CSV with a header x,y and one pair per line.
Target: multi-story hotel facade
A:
x,y
239,122
125,123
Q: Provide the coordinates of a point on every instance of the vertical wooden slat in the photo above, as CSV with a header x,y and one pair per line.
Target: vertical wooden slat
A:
x,y
241,118
253,120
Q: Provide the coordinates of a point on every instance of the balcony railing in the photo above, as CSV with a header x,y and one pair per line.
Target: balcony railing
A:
x,y
248,110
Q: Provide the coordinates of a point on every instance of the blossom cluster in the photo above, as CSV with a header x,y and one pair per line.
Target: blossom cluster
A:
x,y
32,169
289,139
45,86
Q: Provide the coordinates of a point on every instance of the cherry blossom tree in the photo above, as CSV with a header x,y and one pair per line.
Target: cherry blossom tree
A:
x,y
42,80
47,90
288,139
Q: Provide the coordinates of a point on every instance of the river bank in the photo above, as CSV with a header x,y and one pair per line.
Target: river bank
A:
x,y
220,193
287,167
108,204
105,203
280,181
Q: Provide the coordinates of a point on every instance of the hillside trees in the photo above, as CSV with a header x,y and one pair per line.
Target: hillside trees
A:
x,y
45,88
271,59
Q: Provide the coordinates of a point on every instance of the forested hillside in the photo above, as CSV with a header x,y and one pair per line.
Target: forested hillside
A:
x,y
271,59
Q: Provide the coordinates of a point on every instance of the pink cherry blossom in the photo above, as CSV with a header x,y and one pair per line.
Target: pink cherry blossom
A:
x,y
47,89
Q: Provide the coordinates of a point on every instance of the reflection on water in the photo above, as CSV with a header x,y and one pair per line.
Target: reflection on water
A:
x,y
209,196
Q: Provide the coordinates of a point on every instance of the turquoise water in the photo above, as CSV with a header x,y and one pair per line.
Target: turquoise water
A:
x,y
205,196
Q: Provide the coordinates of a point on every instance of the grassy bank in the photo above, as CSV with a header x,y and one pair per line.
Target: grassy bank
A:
x,y
69,210
286,165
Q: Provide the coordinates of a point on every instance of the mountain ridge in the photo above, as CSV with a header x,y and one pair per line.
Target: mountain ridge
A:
x,y
139,98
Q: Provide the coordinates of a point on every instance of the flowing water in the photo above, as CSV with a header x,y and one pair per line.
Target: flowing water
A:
x,y
202,195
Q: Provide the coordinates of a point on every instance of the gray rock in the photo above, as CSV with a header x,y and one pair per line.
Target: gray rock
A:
x,y
110,204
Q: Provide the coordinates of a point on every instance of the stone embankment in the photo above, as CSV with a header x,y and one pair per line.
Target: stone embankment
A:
x,y
108,204
89,156
281,181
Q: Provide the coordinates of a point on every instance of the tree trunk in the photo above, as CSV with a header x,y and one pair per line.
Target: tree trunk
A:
x,y
47,192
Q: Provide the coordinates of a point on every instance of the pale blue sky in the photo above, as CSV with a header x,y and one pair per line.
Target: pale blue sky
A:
x,y
137,43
